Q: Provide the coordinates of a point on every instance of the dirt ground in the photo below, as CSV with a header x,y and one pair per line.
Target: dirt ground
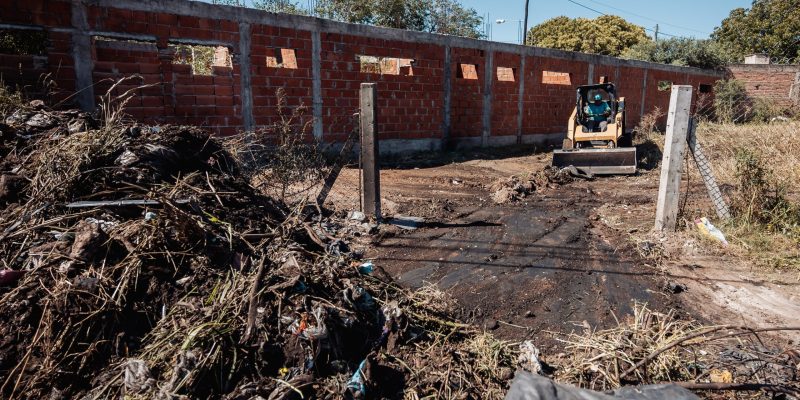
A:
x,y
563,257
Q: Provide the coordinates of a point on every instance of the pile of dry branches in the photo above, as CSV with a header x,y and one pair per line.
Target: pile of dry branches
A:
x,y
654,347
139,262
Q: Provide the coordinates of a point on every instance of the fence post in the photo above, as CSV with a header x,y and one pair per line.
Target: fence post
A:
x,y
370,172
680,104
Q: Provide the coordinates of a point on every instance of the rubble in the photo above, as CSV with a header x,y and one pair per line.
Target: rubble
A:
x,y
514,189
139,262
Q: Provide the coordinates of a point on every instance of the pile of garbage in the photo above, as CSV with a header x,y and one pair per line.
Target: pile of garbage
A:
x,y
138,262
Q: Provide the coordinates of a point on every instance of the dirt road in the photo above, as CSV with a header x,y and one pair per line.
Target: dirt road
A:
x,y
560,259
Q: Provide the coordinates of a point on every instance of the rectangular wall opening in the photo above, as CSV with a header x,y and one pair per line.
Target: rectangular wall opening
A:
x,y
556,78
283,58
664,86
124,44
705,88
23,42
506,74
201,57
467,71
386,65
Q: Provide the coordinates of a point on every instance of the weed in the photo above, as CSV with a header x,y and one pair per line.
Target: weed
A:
x,y
761,199
10,100
649,139
731,104
282,158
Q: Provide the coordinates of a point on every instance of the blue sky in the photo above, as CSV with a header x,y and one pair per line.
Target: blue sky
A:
x,y
691,18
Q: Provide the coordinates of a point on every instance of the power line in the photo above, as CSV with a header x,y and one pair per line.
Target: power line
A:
x,y
649,19
602,13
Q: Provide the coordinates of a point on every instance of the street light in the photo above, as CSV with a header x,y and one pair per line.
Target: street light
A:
x,y
519,27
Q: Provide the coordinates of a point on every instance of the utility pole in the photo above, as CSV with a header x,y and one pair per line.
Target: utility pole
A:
x,y
525,31
656,32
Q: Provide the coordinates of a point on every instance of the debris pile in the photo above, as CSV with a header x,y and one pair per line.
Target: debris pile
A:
x,y
654,347
138,262
514,189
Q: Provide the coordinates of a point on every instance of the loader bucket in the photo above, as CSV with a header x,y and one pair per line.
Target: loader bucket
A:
x,y
598,161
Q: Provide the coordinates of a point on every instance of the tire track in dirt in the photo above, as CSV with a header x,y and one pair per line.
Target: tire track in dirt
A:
x,y
539,266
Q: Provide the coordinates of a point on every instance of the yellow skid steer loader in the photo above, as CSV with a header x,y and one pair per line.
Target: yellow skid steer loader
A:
x,y
596,140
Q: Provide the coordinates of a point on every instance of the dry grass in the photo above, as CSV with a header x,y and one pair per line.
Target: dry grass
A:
x,y
9,101
653,347
597,359
758,166
779,143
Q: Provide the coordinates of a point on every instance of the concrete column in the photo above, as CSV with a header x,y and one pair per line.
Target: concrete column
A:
x,y
316,83
669,186
82,57
448,91
246,76
590,78
794,91
488,81
521,93
644,95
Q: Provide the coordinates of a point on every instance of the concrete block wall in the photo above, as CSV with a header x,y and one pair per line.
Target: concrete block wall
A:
x,y
779,83
452,94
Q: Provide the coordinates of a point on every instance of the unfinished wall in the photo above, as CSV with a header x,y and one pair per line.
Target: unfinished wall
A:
x,y
433,90
779,83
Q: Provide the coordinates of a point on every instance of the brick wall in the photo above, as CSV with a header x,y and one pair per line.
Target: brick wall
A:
x,y
432,89
779,83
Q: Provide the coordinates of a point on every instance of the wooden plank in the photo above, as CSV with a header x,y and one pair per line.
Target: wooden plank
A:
x,y
680,103
370,171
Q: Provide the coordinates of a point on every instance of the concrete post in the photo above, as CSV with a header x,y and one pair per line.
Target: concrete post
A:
x,y
82,57
245,75
488,80
370,171
680,104
590,77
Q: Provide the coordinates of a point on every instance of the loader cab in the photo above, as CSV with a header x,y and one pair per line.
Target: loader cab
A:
x,y
586,95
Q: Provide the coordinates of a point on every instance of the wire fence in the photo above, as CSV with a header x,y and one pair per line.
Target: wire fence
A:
x,y
733,144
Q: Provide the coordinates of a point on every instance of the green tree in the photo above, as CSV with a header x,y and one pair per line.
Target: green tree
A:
x,y
447,17
769,26
353,11
284,6
607,34
680,51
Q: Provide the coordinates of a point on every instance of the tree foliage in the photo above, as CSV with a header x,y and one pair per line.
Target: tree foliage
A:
x,y
680,51
769,26
606,34
446,17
